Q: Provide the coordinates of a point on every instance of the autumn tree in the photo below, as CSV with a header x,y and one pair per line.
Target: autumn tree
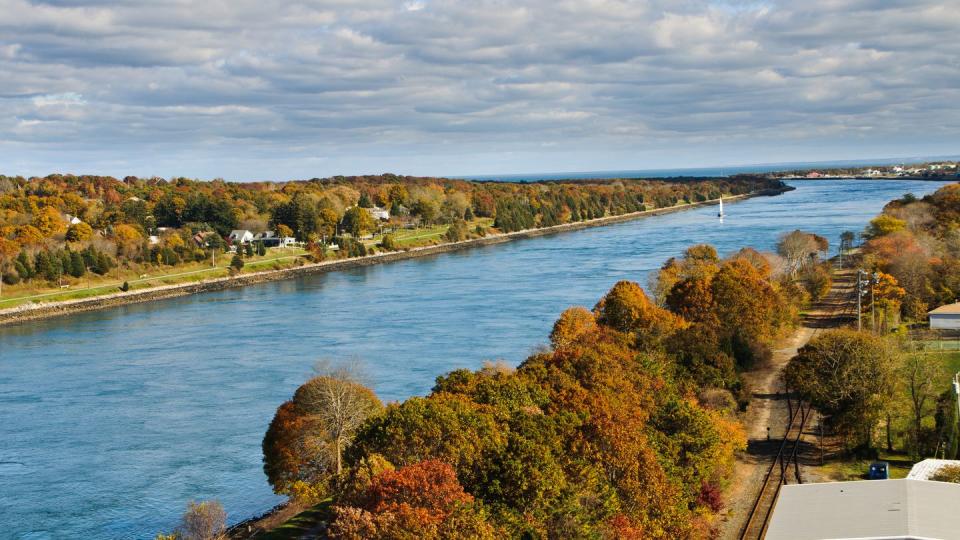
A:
x,y
79,232
883,225
627,308
358,221
848,376
573,324
798,249
309,434
422,500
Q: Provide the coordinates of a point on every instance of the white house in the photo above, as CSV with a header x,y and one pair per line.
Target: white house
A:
x,y
240,236
379,213
270,239
945,317
868,509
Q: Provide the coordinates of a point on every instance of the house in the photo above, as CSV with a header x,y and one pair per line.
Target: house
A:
x,y
240,236
925,469
945,317
202,239
73,220
379,213
270,239
867,509
814,174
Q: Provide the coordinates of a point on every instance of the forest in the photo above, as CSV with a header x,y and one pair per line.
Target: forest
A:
x,y
624,426
59,228
916,241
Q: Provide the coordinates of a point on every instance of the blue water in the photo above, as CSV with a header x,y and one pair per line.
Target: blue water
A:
x,y
111,421
704,171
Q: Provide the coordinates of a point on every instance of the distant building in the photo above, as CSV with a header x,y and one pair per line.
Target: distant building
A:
x,y
379,213
73,220
240,236
945,317
868,509
201,239
814,174
270,239
925,469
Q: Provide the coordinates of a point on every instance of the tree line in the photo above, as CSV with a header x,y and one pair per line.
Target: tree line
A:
x,y
143,222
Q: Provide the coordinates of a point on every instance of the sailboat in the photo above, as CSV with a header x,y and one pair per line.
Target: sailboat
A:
x,y
720,213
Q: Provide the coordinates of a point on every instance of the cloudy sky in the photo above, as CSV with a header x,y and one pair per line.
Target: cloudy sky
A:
x,y
253,89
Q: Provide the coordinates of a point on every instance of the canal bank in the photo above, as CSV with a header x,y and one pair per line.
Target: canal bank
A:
x,y
120,416
35,311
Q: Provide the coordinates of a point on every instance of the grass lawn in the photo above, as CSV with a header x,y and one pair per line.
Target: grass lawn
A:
x,y
848,470
427,235
94,285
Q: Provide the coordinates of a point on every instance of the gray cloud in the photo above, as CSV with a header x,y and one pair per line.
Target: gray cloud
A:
x,y
251,89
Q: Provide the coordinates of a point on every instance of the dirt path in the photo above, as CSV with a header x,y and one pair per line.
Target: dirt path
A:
x,y
768,407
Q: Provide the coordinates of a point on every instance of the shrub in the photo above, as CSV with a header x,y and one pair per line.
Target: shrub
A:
x,y
237,262
125,287
389,242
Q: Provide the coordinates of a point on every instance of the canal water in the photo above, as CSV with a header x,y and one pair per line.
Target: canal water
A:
x,y
111,421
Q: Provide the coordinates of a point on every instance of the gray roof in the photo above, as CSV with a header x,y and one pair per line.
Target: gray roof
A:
x,y
867,509
949,309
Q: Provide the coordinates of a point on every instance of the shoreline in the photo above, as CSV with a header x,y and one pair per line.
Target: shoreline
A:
x,y
33,312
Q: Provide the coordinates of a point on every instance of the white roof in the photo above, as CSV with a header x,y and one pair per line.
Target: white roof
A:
x,y
867,509
929,467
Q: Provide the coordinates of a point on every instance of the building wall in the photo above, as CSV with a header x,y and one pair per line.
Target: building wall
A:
x,y
945,321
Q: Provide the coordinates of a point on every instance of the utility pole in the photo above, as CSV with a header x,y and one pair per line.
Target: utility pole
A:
x,y
873,305
859,294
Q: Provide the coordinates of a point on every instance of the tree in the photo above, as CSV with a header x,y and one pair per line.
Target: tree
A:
x,y
48,221
797,247
358,221
456,232
283,231
628,309
573,324
885,224
421,500
920,376
206,520
848,376
79,232
248,249
237,261
309,434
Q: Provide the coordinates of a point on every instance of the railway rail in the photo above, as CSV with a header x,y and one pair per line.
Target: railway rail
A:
x,y
787,459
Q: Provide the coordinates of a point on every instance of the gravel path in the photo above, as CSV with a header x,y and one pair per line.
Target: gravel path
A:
x,y
768,409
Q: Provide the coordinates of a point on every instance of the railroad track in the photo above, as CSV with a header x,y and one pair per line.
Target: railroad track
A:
x,y
785,467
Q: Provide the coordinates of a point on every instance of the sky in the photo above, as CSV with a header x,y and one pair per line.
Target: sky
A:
x,y
273,90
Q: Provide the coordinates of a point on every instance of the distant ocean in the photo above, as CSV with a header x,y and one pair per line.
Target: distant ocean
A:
x,y
702,171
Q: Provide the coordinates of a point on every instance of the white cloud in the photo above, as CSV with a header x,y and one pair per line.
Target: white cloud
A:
x,y
417,86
